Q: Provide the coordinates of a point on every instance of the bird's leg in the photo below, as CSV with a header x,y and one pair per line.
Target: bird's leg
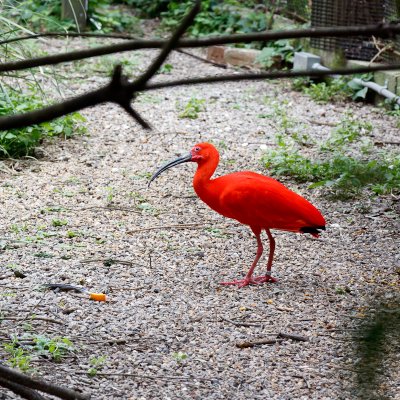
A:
x,y
268,277
249,277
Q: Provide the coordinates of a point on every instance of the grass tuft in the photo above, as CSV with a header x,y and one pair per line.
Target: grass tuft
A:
x,y
342,165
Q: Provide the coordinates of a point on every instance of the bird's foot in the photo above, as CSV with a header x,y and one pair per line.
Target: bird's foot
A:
x,y
250,281
265,278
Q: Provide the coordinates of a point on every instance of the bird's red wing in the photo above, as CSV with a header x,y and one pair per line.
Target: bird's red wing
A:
x,y
257,200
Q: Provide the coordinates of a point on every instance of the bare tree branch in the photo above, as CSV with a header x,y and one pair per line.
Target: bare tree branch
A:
x,y
382,30
173,41
122,92
119,92
270,75
69,34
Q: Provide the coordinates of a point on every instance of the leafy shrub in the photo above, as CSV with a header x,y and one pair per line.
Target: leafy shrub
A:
x,y
333,89
148,8
192,108
45,15
215,17
20,142
279,53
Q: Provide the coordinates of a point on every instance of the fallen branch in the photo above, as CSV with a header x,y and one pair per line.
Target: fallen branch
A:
x,y
109,208
279,338
108,261
14,377
53,321
238,323
152,377
175,226
293,337
258,342
204,60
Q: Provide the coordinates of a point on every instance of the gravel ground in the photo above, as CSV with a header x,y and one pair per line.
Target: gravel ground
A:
x,y
171,252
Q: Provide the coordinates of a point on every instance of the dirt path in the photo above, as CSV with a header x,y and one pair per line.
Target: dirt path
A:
x,y
169,330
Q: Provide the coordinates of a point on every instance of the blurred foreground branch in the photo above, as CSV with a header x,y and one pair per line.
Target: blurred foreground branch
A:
x,y
26,387
379,337
122,92
380,30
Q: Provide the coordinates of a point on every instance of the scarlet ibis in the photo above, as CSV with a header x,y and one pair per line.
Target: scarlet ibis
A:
x,y
253,199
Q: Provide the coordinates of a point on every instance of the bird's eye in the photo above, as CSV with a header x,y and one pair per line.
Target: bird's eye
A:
x,y
197,149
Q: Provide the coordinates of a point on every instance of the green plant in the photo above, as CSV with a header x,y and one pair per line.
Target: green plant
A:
x,y
192,108
43,254
215,17
19,357
179,356
59,222
166,69
21,142
97,364
148,8
53,348
347,132
71,234
44,15
110,195
341,165
216,232
277,54
332,90
109,18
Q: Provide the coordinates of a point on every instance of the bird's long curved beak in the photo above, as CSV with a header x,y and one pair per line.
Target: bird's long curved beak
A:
x,y
171,164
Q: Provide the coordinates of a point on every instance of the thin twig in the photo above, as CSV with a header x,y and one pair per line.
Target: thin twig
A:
x,y
380,49
175,226
32,309
313,121
168,46
69,35
152,377
196,57
107,208
53,321
269,75
238,323
293,337
108,260
258,342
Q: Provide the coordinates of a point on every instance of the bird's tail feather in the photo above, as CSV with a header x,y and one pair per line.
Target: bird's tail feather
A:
x,y
313,230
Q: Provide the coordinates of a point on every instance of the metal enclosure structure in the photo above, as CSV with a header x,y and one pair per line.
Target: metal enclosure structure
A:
x,y
352,12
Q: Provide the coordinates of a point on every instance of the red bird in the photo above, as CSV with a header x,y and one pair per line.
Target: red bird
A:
x,y
252,199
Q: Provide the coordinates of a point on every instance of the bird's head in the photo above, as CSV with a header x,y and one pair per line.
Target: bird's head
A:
x,y
200,153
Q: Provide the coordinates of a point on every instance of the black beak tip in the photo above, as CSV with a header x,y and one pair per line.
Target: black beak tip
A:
x,y
171,164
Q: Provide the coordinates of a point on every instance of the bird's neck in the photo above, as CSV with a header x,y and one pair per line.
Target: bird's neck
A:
x,y
202,177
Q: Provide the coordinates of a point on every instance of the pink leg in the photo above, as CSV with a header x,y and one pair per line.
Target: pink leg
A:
x,y
268,277
249,277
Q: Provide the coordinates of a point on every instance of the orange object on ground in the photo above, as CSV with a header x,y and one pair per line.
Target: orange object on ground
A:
x,y
65,286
